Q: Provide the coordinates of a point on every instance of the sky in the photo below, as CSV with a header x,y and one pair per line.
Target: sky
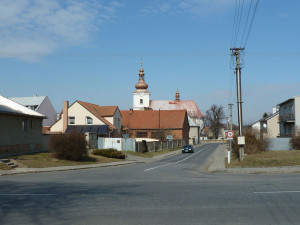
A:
x,y
91,50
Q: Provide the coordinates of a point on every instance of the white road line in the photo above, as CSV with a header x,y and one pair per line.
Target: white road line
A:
x,y
275,192
175,162
27,194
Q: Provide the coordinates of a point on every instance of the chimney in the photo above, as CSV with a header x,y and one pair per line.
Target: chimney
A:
x,y
275,109
65,116
131,111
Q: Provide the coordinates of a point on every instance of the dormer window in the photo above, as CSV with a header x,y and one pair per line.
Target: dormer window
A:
x,y
89,120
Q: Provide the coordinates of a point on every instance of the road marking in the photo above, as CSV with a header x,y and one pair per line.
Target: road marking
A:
x,y
27,194
275,192
175,162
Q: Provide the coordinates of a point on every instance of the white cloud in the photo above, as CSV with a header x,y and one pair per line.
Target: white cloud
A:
x,y
191,7
28,27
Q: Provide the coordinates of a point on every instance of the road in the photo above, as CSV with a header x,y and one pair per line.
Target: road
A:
x,y
170,191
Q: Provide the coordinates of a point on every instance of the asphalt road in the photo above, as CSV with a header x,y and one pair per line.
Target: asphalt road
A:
x,y
170,191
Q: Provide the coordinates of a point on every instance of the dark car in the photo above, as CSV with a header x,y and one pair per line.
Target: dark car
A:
x,y
188,148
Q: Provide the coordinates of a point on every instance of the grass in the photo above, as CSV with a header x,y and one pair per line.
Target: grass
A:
x,y
3,166
43,160
267,159
151,154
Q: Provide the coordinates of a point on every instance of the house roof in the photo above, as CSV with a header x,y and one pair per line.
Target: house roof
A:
x,y
190,105
156,119
100,111
265,119
10,107
289,100
29,101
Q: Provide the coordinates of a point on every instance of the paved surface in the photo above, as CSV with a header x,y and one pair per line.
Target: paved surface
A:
x,y
215,164
174,190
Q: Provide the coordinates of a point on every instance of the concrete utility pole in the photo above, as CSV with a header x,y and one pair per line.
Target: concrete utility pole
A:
x,y
230,115
241,139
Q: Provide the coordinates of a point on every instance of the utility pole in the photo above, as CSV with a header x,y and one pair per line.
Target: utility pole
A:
x,y
230,127
241,139
230,115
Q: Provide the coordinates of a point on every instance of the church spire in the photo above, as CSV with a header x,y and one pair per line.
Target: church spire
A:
x,y
141,83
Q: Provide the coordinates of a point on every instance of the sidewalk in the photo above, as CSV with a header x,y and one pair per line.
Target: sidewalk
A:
x,y
218,166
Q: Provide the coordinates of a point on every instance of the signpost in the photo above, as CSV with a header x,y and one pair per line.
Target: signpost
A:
x,y
230,135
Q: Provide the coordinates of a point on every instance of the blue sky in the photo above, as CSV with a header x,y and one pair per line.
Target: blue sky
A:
x,y
91,51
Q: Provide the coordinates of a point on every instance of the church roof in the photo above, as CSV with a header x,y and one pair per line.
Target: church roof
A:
x,y
189,105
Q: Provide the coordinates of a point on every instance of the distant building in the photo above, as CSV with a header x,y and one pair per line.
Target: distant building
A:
x,y
156,124
289,116
106,121
20,129
141,101
40,104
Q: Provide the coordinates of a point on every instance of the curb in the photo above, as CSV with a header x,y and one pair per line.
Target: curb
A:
x,y
64,168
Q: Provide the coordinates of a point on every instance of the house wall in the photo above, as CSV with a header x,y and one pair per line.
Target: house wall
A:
x,y
273,126
194,135
116,120
80,113
297,111
13,138
46,108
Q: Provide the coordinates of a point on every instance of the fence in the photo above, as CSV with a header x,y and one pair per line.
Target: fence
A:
x,y
280,144
159,145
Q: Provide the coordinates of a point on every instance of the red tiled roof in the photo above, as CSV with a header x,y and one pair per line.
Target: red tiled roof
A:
x,y
100,111
190,105
158,119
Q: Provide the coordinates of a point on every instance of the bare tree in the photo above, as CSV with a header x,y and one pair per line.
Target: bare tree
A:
x,y
214,116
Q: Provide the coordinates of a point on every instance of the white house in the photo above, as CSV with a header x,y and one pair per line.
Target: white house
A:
x,y
83,115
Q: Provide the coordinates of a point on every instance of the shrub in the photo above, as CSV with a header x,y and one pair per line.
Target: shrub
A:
x,y
295,142
254,142
71,146
110,153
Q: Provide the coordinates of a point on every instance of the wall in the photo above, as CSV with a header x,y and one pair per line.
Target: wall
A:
x,y
13,140
104,143
279,144
46,108
297,111
194,132
136,100
273,126
160,145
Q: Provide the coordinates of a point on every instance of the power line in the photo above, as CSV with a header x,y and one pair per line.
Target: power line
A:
x,y
239,23
246,22
251,23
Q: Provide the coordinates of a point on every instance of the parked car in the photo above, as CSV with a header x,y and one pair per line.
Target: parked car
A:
x,y
188,148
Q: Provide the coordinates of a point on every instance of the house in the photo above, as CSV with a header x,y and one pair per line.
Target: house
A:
x,y
268,126
156,124
106,121
40,104
289,116
21,128
141,101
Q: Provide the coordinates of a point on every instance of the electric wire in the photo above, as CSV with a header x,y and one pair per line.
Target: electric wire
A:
x,y
233,25
239,21
246,22
255,9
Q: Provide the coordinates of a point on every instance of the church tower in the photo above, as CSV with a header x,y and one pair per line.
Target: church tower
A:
x,y
141,97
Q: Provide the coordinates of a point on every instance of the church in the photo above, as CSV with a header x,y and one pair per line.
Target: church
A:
x,y
142,102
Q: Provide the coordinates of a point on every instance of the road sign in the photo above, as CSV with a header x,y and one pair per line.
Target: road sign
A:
x,y
230,134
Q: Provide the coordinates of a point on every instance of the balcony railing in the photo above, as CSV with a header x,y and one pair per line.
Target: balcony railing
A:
x,y
287,118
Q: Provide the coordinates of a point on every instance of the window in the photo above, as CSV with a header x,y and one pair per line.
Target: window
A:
x,y
24,125
89,120
141,101
31,124
71,120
